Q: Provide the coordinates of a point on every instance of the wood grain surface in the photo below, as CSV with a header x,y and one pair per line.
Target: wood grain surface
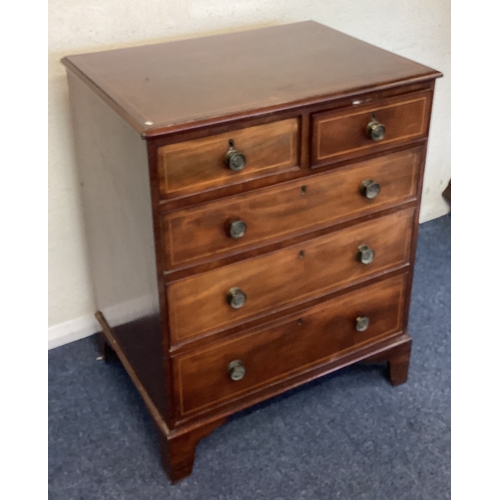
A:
x,y
320,333
342,134
159,86
286,210
197,305
198,165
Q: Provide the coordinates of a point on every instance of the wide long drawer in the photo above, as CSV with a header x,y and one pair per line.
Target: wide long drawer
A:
x,y
235,293
365,129
233,368
218,228
202,164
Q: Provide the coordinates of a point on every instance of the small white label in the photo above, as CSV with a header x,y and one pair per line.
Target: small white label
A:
x,y
355,103
148,123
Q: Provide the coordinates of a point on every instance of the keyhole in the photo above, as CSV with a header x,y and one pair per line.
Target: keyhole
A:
x,y
231,143
303,190
302,254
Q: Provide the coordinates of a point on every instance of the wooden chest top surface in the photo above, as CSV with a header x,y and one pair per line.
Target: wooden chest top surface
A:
x,y
161,86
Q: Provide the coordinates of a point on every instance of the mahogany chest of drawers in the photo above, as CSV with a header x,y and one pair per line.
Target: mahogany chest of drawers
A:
x,y
251,204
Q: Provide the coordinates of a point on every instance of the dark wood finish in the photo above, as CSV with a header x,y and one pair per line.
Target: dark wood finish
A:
x,y
447,193
160,265
195,268
399,363
198,164
197,305
272,214
277,315
342,134
178,448
270,355
141,341
397,359
105,350
295,99
385,344
163,85
156,413
222,125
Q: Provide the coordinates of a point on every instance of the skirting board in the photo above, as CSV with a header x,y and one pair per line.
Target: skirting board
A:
x,y
430,211
76,329
79,328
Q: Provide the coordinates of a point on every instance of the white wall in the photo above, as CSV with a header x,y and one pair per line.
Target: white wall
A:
x,y
417,29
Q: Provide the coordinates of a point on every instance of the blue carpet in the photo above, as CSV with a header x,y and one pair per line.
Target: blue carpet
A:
x,y
348,436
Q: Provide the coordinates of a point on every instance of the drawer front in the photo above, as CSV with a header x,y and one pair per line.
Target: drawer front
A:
x,y
200,164
304,341
338,135
255,287
283,211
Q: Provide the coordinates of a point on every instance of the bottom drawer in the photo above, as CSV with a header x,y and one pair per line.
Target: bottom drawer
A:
x,y
229,369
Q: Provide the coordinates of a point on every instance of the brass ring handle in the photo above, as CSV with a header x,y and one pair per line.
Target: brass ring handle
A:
x,y
236,370
365,254
375,130
362,323
234,159
237,229
236,298
369,189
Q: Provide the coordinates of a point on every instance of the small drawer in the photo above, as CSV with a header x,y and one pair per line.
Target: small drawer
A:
x,y
230,158
227,370
252,288
272,214
338,135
